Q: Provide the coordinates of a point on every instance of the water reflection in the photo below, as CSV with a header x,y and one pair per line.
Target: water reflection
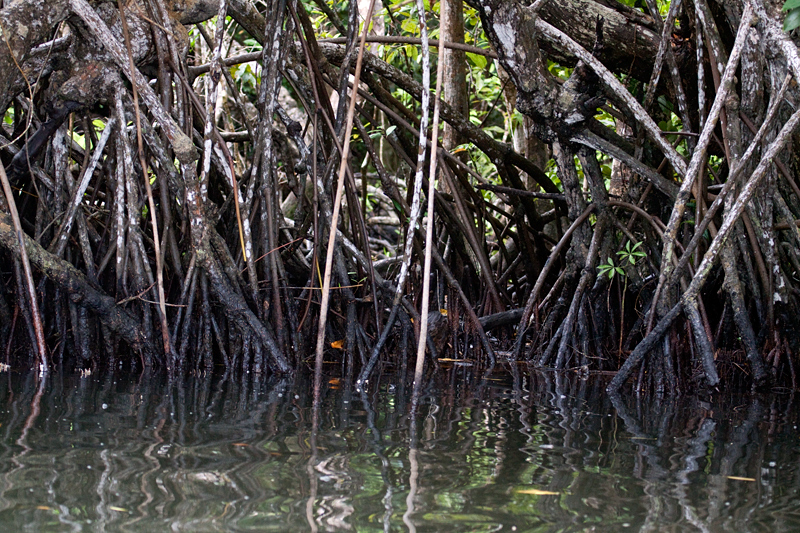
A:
x,y
515,451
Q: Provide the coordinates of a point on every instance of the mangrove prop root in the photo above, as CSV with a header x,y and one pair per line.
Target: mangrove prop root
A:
x,y
204,224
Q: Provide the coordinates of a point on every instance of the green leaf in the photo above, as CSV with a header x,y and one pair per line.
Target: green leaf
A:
x,y
477,59
390,129
609,269
790,4
792,20
409,26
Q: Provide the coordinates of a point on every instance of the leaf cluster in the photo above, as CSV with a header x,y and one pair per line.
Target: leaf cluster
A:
x,y
792,20
629,254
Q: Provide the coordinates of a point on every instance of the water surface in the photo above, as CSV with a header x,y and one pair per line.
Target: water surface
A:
x,y
517,451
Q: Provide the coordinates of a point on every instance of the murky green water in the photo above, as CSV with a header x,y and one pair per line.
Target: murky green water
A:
x,y
515,452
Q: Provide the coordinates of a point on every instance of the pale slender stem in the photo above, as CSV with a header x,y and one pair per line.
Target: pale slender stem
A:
x,y
326,280
426,272
414,212
44,366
